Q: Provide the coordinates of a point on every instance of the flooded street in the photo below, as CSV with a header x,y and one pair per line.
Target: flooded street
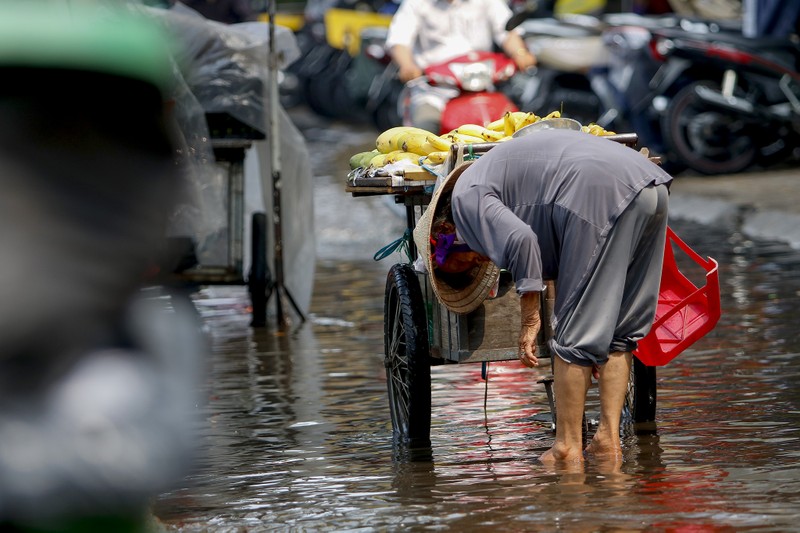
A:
x,y
296,435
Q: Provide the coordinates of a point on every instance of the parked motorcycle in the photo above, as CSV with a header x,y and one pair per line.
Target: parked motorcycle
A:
x,y
736,100
630,102
476,76
607,71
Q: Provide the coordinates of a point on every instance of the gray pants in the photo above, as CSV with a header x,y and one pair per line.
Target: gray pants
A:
x,y
618,304
426,103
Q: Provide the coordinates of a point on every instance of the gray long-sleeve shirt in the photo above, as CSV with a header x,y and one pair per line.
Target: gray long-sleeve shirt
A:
x,y
541,206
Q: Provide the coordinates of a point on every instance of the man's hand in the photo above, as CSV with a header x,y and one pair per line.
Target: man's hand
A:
x,y
524,59
531,324
407,67
409,72
515,48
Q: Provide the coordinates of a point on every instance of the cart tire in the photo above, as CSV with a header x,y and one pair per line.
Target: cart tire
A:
x,y
640,402
408,369
258,281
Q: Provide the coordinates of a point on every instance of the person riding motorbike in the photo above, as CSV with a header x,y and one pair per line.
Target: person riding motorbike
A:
x,y
427,32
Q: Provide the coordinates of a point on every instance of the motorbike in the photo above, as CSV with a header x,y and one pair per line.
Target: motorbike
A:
x,y
735,101
476,76
624,84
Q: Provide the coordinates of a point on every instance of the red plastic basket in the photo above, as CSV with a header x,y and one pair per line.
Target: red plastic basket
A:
x,y
685,312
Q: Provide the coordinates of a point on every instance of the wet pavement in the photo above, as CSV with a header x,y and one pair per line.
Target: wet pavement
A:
x,y
295,434
761,204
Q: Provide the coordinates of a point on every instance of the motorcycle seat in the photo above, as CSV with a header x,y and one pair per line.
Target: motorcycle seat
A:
x,y
736,39
780,50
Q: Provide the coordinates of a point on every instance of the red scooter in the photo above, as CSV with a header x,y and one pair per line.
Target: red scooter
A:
x,y
476,76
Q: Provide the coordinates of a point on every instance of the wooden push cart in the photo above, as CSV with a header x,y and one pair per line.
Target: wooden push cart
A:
x,y
420,332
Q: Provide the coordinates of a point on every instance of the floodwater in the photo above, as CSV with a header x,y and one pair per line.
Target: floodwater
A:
x,y
295,434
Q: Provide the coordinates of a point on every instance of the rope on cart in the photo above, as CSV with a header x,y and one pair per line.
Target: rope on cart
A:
x,y
432,170
402,244
470,155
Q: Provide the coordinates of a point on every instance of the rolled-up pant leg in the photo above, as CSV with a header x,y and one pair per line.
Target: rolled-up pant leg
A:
x,y
425,105
618,304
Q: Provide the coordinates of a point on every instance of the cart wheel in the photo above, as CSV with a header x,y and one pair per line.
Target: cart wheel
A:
x,y
408,369
258,282
640,402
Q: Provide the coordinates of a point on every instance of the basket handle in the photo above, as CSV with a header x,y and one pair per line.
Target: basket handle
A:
x,y
711,267
707,264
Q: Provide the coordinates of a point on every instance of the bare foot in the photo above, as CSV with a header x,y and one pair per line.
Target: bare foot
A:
x,y
601,447
561,454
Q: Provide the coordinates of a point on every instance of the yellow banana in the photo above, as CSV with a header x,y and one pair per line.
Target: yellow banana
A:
x,y
528,119
508,124
400,155
596,129
524,119
492,136
554,114
436,158
378,161
465,139
496,125
396,142
384,141
439,142
417,143
474,130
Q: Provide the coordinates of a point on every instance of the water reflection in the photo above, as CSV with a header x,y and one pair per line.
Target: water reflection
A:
x,y
297,432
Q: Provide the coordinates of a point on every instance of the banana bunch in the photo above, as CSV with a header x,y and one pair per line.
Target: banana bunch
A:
x,y
513,121
596,129
422,147
415,145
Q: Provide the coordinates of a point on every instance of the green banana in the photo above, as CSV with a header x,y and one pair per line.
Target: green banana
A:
x,y
362,159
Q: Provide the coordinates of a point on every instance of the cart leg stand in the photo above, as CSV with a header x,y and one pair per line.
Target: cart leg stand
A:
x,y
548,387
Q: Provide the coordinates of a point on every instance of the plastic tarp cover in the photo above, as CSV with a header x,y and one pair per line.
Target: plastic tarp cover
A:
x,y
225,68
226,64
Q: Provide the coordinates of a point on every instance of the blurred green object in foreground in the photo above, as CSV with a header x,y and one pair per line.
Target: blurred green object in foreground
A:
x,y
84,36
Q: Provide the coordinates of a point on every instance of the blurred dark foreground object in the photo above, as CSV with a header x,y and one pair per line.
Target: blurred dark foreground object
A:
x,y
97,374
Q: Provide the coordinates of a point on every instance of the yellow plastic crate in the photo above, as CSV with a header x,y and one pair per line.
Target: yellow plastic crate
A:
x,y
293,21
343,27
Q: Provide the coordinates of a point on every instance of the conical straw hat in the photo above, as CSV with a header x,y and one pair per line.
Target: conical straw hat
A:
x,y
460,293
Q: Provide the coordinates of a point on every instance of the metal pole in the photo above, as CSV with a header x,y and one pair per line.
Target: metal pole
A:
x,y
279,289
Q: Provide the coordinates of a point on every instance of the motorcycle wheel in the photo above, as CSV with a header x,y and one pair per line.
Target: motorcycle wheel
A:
x,y
707,140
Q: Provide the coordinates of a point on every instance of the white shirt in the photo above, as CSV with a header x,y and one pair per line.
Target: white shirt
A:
x,y
438,30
